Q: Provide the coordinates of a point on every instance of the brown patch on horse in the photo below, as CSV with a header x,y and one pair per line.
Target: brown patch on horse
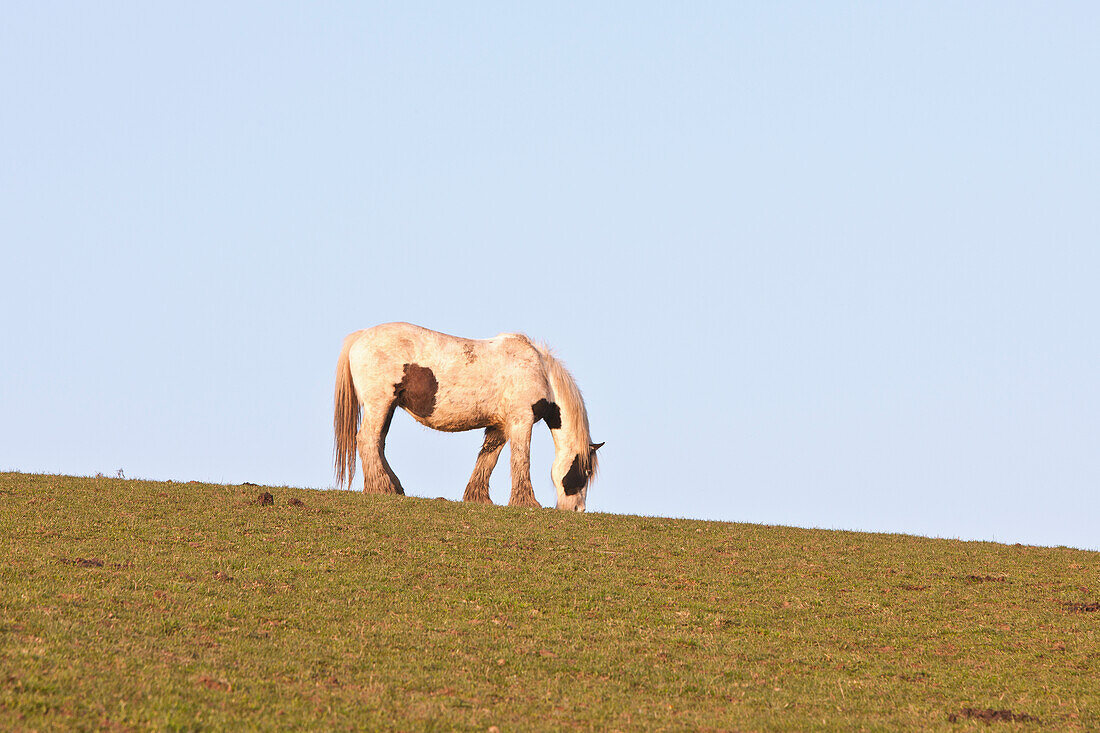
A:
x,y
549,411
416,390
468,352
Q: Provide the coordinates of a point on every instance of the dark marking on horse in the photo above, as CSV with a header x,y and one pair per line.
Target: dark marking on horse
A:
x,y
575,480
468,352
417,389
549,411
386,424
494,439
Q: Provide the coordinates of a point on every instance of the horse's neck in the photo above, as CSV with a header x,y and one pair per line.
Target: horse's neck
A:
x,y
572,436
567,437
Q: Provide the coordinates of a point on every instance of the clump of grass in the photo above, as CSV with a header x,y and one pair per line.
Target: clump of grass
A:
x,y
138,604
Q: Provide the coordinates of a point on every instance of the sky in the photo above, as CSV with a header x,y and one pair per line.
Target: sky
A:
x,y
815,264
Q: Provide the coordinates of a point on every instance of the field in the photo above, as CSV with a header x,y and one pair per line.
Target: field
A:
x,y
139,604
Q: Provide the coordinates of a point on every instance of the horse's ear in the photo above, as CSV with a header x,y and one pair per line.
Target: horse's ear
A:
x,y
595,447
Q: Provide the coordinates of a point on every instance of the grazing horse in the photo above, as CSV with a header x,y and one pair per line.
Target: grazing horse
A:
x,y
504,384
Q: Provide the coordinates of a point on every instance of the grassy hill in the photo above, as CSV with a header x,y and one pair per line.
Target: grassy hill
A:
x,y
140,604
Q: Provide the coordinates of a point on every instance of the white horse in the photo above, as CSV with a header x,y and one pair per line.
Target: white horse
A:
x,y
504,384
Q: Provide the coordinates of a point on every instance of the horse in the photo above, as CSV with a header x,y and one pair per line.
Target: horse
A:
x,y
504,384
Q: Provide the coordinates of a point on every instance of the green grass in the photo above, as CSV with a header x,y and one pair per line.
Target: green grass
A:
x,y
140,604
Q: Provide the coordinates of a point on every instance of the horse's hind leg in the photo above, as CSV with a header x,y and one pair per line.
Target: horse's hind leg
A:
x,y
522,492
477,489
378,477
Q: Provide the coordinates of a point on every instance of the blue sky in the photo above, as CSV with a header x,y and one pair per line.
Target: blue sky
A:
x,y
827,265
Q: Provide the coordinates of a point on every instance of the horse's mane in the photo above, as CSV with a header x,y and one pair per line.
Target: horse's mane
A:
x,y
573,413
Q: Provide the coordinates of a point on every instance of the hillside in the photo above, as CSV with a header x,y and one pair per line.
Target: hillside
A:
x,y
139,604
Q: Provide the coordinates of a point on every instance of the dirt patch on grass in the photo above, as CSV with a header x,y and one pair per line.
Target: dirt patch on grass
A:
x,y
985,579
295,501
264,499
989,715
1082,607
212,684
82,562
93,562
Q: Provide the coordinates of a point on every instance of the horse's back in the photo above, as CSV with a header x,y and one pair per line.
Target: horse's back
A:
x,y
408,343
404,341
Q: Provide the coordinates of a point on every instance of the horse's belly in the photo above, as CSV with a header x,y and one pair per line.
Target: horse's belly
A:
x,y
443,396
451,421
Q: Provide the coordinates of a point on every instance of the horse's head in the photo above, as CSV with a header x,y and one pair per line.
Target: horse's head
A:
x,y
571,473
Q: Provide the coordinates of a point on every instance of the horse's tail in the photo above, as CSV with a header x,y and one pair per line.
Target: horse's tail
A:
x,y
345,420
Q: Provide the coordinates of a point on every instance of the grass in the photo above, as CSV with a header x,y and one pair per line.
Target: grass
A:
x,y
136,604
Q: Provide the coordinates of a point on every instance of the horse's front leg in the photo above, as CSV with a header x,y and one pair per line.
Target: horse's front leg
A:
x,y
477,490
522,492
